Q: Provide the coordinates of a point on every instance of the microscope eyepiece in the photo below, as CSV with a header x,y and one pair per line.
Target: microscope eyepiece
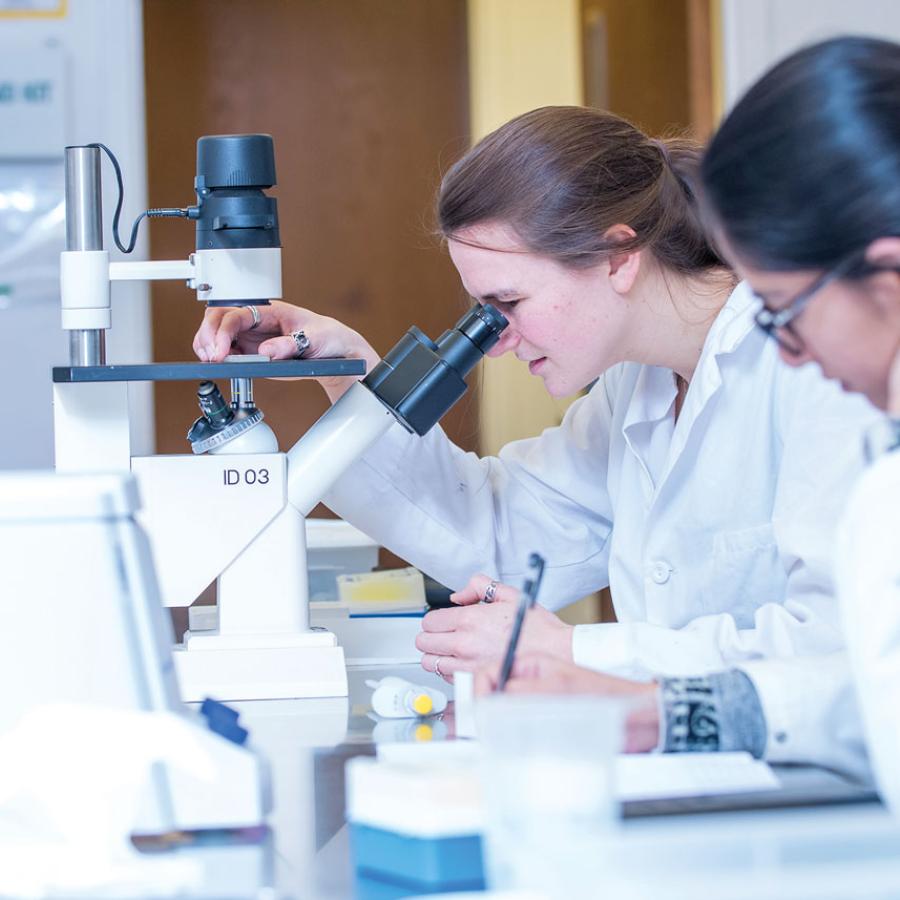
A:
x,y
420,379
482,326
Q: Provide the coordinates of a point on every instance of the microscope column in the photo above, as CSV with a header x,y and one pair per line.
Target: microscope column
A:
x,y
91,424
84,231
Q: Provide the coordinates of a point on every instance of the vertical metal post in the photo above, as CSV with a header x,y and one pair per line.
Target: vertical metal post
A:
x,y
242,393
84,231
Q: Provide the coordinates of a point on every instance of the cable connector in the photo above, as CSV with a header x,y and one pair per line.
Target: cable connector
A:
x,y
168,213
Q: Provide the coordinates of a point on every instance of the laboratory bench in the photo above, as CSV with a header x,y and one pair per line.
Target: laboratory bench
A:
x,y
846,847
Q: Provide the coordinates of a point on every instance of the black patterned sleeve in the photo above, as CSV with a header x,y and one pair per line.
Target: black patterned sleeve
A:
x,y
713,712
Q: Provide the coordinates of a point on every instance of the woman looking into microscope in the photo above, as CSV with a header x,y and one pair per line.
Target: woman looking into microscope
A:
x,y
698,478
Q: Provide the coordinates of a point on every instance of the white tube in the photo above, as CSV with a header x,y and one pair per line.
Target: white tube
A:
x,y
151,270
333,444
84,288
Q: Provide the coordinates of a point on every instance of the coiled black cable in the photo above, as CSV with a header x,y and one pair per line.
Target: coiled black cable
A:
x,y
172,212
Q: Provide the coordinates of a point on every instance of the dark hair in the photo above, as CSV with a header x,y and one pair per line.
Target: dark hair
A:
x,y
805,170
560,176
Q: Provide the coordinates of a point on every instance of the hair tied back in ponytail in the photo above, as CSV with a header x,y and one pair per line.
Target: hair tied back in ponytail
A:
x,y
562,176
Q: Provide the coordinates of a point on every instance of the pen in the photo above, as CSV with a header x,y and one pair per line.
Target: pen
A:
x,y
526,601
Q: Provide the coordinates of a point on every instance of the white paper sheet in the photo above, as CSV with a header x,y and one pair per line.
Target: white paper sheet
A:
x,y
657,776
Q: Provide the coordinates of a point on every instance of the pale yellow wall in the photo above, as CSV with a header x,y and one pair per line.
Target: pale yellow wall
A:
x,y
522,54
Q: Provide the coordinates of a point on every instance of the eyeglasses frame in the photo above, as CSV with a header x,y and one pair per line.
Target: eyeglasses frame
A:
x,y
772,321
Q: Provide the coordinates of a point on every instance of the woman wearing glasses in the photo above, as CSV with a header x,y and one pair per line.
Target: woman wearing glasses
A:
x,y
803,179
699,478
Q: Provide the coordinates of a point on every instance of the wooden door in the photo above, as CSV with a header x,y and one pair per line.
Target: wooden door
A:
x,y
367,102
651,61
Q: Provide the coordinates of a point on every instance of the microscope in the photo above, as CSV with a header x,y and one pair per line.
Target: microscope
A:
x,y
233,509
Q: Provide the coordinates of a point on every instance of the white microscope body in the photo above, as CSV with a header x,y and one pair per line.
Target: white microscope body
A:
x,y
234,510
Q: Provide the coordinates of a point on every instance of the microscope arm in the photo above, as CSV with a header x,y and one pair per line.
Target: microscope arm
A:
x,y
152,270
415,383
340,437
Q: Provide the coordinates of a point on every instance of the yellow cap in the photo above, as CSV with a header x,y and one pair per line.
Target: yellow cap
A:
x,y
422,704
424,732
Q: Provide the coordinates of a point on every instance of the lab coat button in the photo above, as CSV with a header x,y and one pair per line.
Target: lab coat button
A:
x,y
660,571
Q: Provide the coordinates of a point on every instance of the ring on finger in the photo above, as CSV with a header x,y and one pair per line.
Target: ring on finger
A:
x,y
490,592
254,312
301,343
437,666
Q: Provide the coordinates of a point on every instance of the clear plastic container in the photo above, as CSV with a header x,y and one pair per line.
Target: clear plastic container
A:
x,y
550,803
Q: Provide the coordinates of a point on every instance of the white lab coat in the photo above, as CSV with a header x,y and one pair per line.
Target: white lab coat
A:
x,y
868,581
714,534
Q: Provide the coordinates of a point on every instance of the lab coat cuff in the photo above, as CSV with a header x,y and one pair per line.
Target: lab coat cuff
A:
x,y
787,730
603,648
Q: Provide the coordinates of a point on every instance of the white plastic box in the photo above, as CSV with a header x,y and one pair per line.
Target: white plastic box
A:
x,y
335,547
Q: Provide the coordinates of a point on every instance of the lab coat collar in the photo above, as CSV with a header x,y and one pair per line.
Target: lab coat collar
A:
x,y
655,388
732,326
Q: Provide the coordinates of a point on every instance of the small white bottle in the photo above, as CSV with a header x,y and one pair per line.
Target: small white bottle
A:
x,y
397,698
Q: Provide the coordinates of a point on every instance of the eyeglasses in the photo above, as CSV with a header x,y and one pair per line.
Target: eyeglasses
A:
x,y
778,324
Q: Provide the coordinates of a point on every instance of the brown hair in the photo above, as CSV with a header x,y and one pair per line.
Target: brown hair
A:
x,y
561,176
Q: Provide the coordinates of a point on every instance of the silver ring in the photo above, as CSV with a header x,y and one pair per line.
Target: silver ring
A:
x,y
437,666
490,591
301,342
255,313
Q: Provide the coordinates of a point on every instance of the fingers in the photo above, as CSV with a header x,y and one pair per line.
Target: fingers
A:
x,y
486,680
475,590
534,686
439,643
443,620
530,674
445,666
279,348
230,326
536,665
223,326
218,330
204,339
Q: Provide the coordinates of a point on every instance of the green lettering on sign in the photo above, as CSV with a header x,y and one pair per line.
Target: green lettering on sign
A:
x,y
38,92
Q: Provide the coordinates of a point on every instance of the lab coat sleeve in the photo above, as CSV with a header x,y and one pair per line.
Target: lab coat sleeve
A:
x,y
822,434
811,711
868,576
821,458
452,513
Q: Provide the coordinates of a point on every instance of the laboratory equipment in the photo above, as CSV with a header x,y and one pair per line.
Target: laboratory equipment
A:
x,y
550,836
232,511
397,698
89,631
335,547
387,591
416,816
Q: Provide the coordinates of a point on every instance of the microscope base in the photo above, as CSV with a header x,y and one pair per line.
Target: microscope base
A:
x,y
260,667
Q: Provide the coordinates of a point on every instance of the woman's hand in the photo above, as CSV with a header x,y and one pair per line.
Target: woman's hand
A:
x,y
227,329
477,633
539,674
